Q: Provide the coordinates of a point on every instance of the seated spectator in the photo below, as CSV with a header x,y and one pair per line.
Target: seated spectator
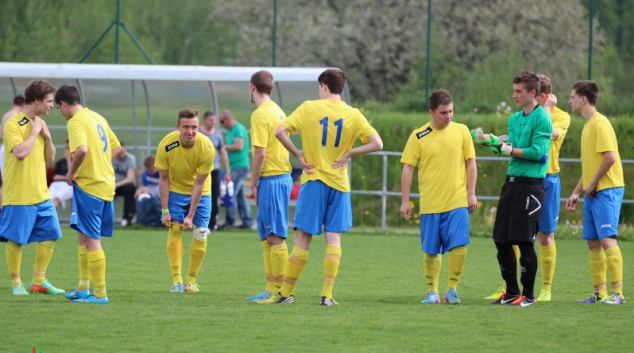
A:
x,y
59,189
148,199
124,165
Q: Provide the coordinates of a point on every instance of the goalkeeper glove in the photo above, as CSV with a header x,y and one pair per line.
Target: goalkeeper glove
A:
x,y
493,142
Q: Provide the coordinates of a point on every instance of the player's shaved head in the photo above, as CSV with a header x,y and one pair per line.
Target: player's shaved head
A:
x,y
334,79
37,89
187,113
529,79
263,81
588,89
438,98
545,86
68,94
18,100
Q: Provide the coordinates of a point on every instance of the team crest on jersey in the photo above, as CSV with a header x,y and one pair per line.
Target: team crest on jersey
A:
x,y
23,121
424,133
171,146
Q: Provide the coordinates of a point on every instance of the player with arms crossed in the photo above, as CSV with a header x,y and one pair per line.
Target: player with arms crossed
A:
x,y
28,214
271,182
550,215
328,129
522,197
602,181
447,173
92,144
185,159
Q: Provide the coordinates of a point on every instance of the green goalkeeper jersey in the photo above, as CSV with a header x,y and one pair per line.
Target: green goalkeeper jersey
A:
x,y
532,133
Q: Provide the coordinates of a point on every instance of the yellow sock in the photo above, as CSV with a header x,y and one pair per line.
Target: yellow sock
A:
x,y
268,267
84,273
14,260
97,266
516,249
43,255
547,258
175,251
432,270
614,261
331,267
196,256
278,261
598,267
296,263
457,259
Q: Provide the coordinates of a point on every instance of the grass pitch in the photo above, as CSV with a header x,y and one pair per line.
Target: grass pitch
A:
x,y
379,289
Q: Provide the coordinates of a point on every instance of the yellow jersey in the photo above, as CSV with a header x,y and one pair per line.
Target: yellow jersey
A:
x,y
264,122
95,175
184,164
24,181
598,137
328,129
561,122
440,156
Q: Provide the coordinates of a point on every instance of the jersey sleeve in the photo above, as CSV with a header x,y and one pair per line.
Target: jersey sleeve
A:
x,y
112,139
161,162
411,153
76,135
131,162
221,141
259,130
207,157
467,145
144,180
295,121
364,129
12,135
605,141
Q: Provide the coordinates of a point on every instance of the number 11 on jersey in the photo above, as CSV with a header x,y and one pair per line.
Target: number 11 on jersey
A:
x,y
324,136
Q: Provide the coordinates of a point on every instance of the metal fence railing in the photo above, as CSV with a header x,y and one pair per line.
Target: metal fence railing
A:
x,y
384,193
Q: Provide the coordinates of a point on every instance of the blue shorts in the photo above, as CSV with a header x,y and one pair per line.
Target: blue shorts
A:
x,y
274,193
320,205
91,215
441,232
25,224
179,208
550,209
601,214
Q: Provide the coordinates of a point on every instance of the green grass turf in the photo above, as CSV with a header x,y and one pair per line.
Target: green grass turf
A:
x,y
379,288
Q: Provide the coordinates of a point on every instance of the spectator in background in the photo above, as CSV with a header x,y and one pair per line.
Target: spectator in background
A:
x,y
238,151
148,199
125,174
16,107
59,189
208,128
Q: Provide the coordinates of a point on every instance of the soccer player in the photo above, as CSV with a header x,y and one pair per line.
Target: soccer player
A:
x,y
550,214
28,214
271,182
520,206
328,129
16,107
602,181
185,159
92,144
447,173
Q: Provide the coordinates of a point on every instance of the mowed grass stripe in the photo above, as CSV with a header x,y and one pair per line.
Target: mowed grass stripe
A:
x,y
379,288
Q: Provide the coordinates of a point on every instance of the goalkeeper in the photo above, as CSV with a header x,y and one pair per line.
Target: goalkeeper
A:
x,y
520,206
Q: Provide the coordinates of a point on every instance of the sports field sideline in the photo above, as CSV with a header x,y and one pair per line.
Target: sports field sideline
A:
x,y
379,289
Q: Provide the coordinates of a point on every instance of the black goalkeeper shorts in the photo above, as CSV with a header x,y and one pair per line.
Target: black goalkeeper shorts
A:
x,y
519,210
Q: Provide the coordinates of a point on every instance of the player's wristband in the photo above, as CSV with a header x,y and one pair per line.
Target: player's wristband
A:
x,y
165,211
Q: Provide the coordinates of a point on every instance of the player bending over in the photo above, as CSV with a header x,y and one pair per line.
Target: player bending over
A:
x,y
184,159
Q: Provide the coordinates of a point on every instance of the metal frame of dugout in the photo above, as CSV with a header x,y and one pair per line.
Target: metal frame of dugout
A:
x,y
146,73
